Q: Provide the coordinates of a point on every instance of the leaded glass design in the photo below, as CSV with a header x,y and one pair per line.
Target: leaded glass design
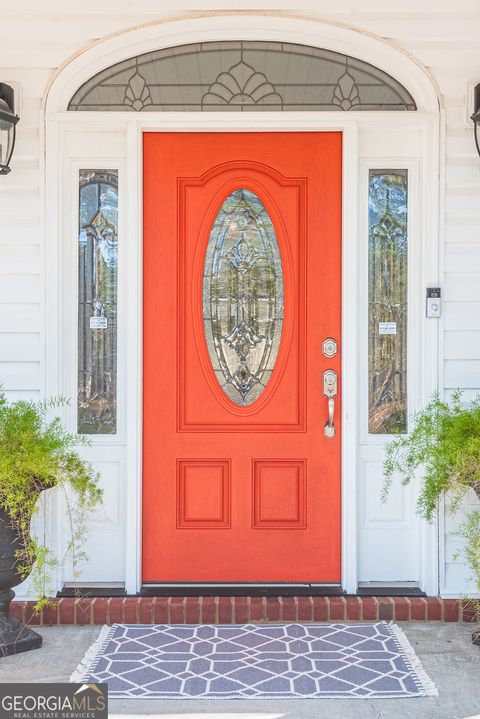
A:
x,y
243,297
97,301
387,301
243,75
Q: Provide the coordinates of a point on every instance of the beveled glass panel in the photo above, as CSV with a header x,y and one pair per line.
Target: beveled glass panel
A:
x,y
245,76
387,301
97,302
243,297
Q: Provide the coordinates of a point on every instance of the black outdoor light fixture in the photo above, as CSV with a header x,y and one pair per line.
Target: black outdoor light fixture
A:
x,y
8,121
476,115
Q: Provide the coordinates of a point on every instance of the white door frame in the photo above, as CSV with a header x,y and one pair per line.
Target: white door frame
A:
x,y
266,27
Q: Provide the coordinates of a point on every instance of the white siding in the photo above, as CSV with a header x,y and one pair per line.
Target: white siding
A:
x,y
34,42
462,270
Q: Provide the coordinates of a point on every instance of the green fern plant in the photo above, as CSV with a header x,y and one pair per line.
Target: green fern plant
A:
x,y
37,453
445,443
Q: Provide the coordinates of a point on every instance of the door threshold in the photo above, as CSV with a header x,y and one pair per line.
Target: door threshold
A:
x,y
237,589
389,589
97,589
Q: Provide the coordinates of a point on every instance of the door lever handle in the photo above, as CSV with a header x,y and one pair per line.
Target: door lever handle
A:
x,y
329,429
330,391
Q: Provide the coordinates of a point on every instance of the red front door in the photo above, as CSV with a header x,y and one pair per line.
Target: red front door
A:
x,y
242,285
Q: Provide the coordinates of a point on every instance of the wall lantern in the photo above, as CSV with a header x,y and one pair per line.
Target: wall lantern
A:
x,y
476,115
8,121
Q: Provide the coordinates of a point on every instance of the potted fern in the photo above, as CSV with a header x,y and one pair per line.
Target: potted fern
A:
x,y
445,443
36,454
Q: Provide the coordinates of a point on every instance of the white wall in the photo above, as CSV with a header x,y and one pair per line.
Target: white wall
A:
x,y
34,42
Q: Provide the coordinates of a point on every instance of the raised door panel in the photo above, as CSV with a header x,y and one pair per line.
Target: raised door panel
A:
x,y
202,404
279,494
203,494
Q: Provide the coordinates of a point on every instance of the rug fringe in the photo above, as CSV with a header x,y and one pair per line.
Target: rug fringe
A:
x,y
419,674
94,652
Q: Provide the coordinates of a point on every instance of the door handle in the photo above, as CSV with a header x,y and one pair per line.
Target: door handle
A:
x,y
330,391
329,429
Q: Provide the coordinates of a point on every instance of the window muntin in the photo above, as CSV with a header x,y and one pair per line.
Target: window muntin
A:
x,y
97,301
387,301
243,297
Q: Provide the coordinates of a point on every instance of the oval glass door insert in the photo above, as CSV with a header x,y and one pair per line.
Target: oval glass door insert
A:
x,y
243,297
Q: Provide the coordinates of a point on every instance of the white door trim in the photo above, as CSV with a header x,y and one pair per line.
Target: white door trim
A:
x,y
238,122
281,122
132,126
132,303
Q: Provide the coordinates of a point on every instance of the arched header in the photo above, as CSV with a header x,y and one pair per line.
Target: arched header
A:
x,y
259,27
242,76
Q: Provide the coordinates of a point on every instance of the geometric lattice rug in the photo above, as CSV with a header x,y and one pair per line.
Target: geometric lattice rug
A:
x,y
260,661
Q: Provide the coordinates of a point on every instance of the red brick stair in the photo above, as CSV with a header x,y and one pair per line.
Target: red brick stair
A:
x,y
240,610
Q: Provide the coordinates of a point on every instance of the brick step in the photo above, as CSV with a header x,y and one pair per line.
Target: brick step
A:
x,y
240,610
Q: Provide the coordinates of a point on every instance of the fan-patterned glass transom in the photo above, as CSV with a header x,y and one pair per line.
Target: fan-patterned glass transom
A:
x,y
243,297
241,76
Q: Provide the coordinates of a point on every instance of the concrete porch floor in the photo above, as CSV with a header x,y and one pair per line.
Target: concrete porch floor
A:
x,y
444,649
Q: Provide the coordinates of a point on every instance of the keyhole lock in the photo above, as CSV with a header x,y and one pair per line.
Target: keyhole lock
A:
x,y
329,347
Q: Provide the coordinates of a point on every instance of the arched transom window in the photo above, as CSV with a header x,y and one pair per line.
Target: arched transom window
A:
x,y
242,75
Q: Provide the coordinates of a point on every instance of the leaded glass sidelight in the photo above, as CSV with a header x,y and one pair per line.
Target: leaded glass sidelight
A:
x,y
387,301
243,297
97,301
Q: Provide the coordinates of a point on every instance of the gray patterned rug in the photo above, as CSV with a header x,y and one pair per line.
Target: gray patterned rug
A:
x,y
261,661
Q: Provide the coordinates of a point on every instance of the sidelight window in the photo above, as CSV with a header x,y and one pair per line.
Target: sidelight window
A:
x,y
97,301
387,301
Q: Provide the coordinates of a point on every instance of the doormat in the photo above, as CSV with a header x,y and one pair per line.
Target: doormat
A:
x,y
269,661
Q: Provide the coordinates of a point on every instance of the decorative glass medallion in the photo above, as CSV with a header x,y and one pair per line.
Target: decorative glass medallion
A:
x,y
243,297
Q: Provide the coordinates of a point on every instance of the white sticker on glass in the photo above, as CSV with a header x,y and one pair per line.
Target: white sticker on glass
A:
x,y
98,323
387,328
